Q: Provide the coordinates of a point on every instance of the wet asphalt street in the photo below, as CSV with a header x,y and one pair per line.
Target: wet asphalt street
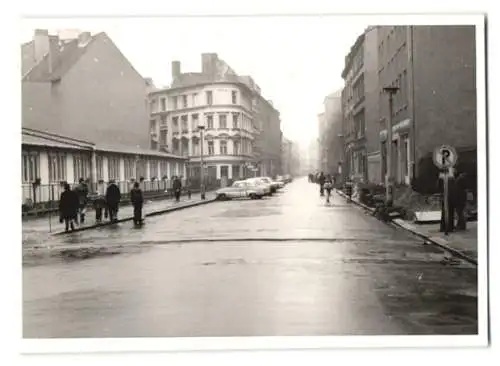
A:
x,y
285,265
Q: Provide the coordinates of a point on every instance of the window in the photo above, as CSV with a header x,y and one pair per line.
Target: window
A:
x,y
163,168
210,145
223,147
194,97
174,102
359,124
163,138
114,168
153,168
234,96
30,169
140,168
152,105
163,103
129,168
236,149
163,121
57,167
222,121
175,124
81,164
184,119
194,122
210,121
209,96
99,167
235,120
185,101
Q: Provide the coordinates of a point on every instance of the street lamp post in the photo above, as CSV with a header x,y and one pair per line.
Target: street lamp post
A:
x,y
202,171
391,90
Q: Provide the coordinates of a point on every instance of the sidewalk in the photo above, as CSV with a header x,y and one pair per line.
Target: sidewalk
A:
x,y
36,231
462,243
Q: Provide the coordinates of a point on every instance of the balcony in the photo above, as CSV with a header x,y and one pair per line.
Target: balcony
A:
x,y
185,130
175,132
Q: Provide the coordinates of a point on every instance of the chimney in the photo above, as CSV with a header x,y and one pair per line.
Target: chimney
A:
x,y
41,44
209,63
84,38
176,69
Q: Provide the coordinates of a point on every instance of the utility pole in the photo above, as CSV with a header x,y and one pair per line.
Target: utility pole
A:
x,y
391,90
202,170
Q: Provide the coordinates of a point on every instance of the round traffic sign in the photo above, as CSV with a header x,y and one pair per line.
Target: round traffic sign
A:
x,y
445,157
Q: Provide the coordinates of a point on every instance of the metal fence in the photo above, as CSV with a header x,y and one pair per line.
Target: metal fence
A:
x,y
46,193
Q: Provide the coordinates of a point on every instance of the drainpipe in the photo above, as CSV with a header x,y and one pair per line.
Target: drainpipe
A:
x,y
411,90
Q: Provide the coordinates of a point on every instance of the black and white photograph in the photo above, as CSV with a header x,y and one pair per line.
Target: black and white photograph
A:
x,y
320,178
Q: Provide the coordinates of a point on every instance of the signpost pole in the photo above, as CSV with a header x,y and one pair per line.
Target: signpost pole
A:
x,y
446,211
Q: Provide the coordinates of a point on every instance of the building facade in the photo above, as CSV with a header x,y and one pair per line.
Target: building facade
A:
x,y
434,69
359,105
239,126
290,158
84,115
331,134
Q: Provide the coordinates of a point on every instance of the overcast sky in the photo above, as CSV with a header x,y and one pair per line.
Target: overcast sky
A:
x,y
296,60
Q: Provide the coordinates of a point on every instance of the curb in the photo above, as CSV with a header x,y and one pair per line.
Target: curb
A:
x,y
155,213
440,242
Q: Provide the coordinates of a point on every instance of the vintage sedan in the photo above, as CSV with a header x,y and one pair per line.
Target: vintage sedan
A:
x,y
266,186
275,185
241,189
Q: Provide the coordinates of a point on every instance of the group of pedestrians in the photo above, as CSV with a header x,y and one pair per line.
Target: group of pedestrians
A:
x,y
73,203
325,182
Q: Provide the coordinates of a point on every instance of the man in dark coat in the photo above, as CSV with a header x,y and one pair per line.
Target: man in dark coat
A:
x,y
82,190
68,207
113,197
321,182
451,204
177,186
460,199
137,200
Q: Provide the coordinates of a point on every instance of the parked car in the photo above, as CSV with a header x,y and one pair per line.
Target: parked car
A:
x,y
241,189
288,178
262,183
274,184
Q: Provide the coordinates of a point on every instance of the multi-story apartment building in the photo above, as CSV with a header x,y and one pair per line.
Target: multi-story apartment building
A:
x,y
360,105
233,116
434,68
290,157
331,135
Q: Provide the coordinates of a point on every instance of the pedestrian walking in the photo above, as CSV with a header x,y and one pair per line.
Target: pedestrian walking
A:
x,y
177,186
321,182
460,199
328,187
137,200
68,208
113,197
82,191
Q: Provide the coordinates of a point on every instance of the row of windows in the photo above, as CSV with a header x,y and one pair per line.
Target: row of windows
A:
x,y
57,167
30,167
188,100
239,147
238,120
